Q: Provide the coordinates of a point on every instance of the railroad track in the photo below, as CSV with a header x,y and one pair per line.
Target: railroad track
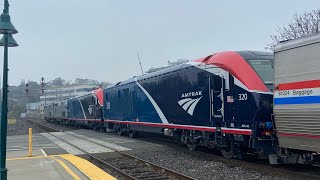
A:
x,y
42,127
129,167
278,170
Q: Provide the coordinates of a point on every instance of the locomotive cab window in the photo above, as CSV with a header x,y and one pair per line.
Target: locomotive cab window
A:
x,y
264,69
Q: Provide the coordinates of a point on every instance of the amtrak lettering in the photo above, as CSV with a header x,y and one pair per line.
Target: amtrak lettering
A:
x,y
189,104
191,94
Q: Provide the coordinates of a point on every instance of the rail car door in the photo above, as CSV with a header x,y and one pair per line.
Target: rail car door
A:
x,y
217,104
218,82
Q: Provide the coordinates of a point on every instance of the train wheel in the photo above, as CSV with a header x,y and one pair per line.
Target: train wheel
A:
x,y
120,132
132,134
192,146
228,153
103,129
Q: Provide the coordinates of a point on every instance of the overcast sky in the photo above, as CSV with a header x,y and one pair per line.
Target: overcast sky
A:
x,y
99,39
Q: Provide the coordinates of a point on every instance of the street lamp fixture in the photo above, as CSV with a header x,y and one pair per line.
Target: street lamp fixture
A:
x,y
5,23
7,29
11,41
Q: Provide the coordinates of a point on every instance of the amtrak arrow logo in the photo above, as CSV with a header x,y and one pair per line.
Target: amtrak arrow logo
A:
x,y
189,104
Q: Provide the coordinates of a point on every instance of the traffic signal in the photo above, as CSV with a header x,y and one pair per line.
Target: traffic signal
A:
x,y
27,89
42,88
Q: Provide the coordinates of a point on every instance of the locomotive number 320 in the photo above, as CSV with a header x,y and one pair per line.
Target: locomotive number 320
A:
x,y
243,97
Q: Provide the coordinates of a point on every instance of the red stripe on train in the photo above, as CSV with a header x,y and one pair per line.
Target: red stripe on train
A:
x,y
233,131
199,128
299,85
188,127
299,135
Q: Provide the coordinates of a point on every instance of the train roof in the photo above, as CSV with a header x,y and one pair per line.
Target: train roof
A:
x,y
294,43
98,92
226,60
83,95
250,55
148,75
236,62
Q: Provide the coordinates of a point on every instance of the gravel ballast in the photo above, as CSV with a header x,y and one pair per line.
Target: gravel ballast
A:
x,y
201,167
56,126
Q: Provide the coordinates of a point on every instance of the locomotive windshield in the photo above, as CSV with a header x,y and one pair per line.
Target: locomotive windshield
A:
x,y
264,69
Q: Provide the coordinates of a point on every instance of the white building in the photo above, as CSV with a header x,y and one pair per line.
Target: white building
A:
x,y
33,108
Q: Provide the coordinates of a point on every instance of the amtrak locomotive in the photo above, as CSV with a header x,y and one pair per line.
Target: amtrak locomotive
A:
x,y
221,101
84,110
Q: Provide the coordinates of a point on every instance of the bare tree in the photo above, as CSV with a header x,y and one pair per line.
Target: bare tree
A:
x,y
301,25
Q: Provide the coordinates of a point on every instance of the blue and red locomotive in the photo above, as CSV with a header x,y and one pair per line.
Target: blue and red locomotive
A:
x,y
221,101
78,111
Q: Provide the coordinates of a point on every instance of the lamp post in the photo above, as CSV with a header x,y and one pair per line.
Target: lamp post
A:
x,y
7,29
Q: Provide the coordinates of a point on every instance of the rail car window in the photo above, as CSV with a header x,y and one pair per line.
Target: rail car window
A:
x,y
264,69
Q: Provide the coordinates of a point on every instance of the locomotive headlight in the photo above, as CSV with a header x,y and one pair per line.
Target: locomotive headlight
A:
x,y
266,133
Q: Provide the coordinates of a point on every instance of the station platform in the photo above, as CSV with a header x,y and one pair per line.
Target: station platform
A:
x,y
52,167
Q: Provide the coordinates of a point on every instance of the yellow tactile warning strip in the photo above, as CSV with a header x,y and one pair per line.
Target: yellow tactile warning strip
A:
x,y
89,169
66,168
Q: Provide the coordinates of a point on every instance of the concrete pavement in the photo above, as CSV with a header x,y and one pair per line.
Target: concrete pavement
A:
x,y
52,167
